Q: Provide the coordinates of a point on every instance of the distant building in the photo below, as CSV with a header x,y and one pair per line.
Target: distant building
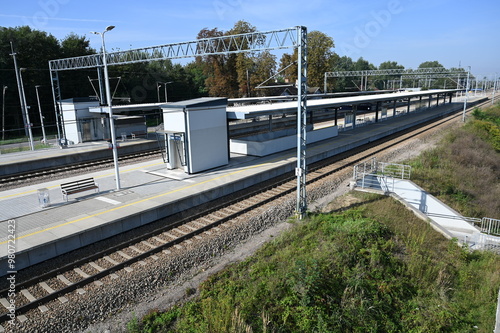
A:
x,y
84,121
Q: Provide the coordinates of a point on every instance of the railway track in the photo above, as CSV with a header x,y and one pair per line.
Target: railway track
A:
x,y
59,172
37,294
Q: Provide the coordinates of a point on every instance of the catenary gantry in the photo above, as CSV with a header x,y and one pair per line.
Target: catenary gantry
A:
x,y
440,72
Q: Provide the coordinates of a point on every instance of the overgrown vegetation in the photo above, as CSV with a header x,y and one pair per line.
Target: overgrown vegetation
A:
x,y
464,170
372,269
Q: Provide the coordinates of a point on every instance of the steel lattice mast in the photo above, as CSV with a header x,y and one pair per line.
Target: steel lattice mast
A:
x,y
292,38
301,124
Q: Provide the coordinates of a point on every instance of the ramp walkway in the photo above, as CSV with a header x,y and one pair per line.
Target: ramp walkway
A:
x,y
475,233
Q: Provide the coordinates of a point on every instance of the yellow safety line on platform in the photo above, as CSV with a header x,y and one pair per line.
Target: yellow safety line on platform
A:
x,y
139,201
97,177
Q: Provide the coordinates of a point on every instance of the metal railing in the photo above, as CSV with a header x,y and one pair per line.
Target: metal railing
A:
x,y
400,171
490,226
379,175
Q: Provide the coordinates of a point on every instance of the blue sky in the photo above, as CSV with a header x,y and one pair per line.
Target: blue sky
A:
x,y
452,32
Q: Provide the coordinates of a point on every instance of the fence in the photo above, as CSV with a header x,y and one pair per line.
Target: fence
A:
x,y
379,175
490,226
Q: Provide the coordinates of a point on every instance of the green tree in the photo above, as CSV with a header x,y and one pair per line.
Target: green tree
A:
x,y
76,83
319,58
429,82
430,64
194,70
288,67
319,53
381,82
228,74
74,46
33,50
219,71
340,64
264,68
243,62
362,64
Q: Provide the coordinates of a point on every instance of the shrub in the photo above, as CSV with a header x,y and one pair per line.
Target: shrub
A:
x,y
376,269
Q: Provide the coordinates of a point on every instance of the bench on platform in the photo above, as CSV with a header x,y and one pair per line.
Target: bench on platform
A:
x,y
140,133
78,186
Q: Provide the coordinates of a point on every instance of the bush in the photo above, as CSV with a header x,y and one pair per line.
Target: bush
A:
x,y
376,269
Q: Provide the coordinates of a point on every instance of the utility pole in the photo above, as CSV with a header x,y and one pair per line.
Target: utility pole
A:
x,y
22,99
494,89
32,145
3,112
466,94
44,139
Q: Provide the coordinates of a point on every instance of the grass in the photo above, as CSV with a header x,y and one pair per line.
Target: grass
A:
x,y
18,149
464,169
11,141
373,268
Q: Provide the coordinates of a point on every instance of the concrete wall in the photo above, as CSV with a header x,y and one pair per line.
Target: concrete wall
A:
x,y
273,142
207,139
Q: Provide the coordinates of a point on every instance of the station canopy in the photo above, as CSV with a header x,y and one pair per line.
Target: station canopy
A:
x,y
252,111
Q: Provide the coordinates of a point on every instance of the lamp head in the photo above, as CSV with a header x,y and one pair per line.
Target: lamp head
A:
x,y
110,27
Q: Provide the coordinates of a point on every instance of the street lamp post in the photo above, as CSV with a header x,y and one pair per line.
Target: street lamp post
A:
x,y
110,110
44,140
158,85
166,99
3,112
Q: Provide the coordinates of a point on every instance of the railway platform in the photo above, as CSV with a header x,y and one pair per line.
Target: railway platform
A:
x,y
27,161
150,192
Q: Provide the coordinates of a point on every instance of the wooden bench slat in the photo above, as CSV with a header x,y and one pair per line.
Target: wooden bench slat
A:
x,y
78,186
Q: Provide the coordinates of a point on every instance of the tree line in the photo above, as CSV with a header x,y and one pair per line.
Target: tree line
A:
x,y
231,75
